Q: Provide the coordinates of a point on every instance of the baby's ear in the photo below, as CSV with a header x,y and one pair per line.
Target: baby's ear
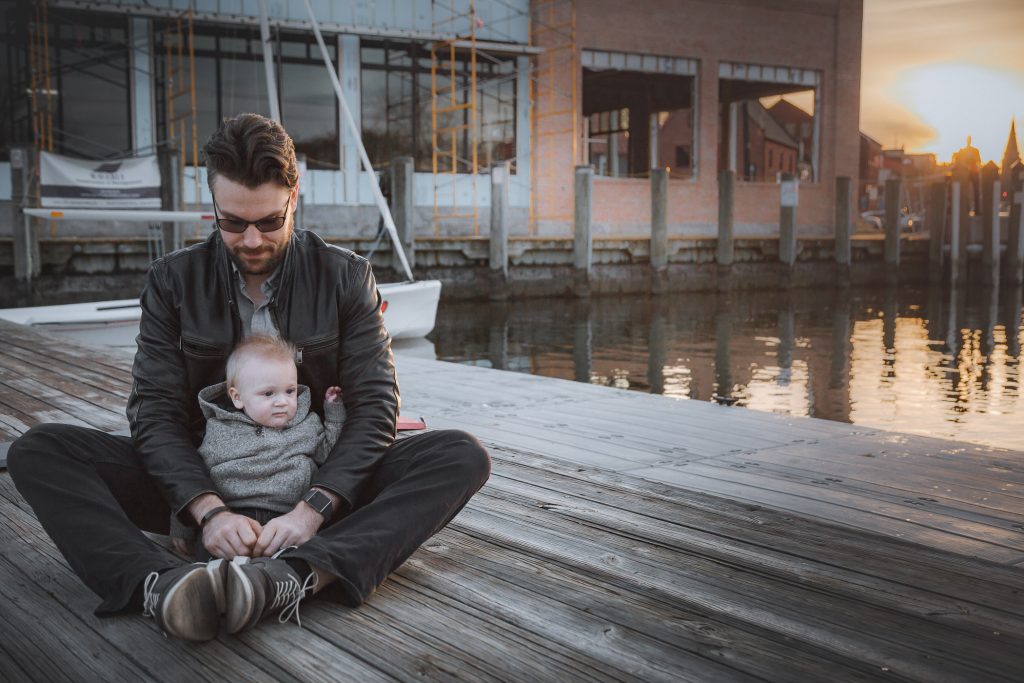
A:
x,y
236,398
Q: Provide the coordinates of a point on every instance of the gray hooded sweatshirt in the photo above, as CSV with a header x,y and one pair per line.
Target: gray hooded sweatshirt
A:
x,y
254,466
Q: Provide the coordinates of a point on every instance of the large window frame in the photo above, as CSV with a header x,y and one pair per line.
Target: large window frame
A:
x,y
225,46
611,126
744,93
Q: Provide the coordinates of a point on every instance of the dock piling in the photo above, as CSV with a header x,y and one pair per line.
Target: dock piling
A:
x,y
26,241
499,230
893,188
844,227
935,219
991,193
1014,273
659,229
583,248
724,248
402,210
788,200
955,216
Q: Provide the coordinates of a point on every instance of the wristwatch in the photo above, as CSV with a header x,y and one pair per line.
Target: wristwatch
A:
x,y
321,502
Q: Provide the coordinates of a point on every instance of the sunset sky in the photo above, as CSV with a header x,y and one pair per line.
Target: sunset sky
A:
x,y
936,71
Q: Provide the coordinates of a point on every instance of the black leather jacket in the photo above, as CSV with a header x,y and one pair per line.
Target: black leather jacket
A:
x,y
326,303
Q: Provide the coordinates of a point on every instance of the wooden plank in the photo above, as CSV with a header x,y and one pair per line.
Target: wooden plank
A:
x,y
411,632
810,504
860,498
67,378
913,647
740,646
276,652
960,480
769,530
98,416
620,649
980,605
57,648
983,500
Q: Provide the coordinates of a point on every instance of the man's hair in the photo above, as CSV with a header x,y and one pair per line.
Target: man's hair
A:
x,y
257,346
251,150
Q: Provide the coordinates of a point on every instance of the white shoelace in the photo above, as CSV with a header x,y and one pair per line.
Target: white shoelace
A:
x,y
149,598
288,596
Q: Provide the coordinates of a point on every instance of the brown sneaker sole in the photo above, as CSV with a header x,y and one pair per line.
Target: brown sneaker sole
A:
x,y
189,610
241,599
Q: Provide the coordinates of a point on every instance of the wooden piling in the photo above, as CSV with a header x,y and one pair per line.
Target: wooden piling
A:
x,y
659,229
935,219
962,175
893,188
499,231
26,241
787,219
990,195
403,210
956,218
844,222
583,249
1014,273
724,248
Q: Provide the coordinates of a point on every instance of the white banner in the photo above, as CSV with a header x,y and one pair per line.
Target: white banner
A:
x,y
132,183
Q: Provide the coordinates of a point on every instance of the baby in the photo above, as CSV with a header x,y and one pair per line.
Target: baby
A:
x,y
263,444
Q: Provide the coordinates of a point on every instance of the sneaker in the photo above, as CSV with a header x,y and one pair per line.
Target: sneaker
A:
x,y
260,587
186,602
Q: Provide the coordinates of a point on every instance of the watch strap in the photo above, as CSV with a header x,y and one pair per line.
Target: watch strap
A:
x,y
211,512
321,502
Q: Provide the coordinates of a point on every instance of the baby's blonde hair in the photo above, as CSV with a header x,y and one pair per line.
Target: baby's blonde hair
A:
x,y
257,346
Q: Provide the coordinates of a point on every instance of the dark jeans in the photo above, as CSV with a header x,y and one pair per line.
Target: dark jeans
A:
x,y
92,496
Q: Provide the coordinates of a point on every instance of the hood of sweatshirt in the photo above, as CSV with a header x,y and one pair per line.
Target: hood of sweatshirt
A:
x,y
215,403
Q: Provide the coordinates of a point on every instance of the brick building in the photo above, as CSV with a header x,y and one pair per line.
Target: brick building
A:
x,y
545,85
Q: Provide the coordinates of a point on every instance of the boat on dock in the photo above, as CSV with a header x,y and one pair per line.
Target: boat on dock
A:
x,y
409,308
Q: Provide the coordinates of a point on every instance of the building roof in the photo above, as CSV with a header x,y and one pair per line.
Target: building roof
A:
x,y
773,130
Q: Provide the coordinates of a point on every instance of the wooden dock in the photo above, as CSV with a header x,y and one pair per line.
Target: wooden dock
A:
x,y
622,536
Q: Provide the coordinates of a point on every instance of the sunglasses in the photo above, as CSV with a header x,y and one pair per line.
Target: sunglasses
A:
x,y
263,225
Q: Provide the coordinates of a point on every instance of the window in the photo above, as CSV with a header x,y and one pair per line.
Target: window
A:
x,y
766,111
230,79
639,112
398,99
87,92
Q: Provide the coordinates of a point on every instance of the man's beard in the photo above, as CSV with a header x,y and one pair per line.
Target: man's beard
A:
x,y
264,268
276,252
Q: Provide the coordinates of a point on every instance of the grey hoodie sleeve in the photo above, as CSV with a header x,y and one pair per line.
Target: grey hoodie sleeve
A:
x,y
334,414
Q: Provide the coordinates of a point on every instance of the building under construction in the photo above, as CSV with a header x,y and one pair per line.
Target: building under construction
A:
x,y
760,87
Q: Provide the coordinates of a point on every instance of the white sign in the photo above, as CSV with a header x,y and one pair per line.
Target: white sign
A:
x,y
789,192
132,183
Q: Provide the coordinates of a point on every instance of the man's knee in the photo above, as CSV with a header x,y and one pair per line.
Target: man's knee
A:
x,y
26,454
32,453
468,455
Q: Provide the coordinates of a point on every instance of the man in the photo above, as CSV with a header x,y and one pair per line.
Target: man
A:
x,y
371,504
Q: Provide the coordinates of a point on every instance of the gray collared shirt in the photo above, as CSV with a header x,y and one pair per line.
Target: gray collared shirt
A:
x,y
256,319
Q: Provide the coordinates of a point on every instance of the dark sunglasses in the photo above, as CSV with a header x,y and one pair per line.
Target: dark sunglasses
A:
x,y
263,224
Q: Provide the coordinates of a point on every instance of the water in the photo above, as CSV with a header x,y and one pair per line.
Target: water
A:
x,y
923,361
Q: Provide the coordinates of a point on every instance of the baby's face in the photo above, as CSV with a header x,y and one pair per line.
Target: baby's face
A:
x,y
266,390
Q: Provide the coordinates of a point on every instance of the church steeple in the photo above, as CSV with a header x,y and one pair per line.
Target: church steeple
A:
x,y
1011,154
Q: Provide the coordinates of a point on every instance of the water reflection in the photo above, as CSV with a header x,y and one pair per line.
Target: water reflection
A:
x,y
927,361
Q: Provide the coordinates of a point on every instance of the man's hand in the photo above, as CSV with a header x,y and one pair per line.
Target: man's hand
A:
x,y
228,535
293,528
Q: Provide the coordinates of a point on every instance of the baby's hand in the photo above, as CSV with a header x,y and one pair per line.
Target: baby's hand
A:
x,y
332,394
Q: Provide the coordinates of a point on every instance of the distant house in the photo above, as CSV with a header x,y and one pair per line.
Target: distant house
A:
x,y
868,177
799,124
766,149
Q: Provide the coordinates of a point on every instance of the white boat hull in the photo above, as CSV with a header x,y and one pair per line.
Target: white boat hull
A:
x,y
410,310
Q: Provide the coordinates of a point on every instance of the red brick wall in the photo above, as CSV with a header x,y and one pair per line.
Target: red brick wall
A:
x,y
824,35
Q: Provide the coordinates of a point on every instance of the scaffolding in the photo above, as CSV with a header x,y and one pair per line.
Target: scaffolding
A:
x,y
555,107
454,111
180,82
